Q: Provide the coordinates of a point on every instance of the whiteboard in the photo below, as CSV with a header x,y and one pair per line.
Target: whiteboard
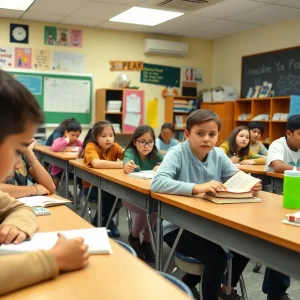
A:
x,y
67,95
68,61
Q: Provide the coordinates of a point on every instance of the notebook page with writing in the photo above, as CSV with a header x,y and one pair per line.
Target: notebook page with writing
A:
x,y
241,182
96,239
42,201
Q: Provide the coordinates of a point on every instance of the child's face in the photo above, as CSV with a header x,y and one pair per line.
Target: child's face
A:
x,y
144,144
255,134
106,139
294,139
73,136
203,138
242,139
167,134
11,147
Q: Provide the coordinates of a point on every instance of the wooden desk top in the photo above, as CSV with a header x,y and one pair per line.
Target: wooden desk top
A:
x,y
253,169
116,175
108,277
277,175
262,220
61,155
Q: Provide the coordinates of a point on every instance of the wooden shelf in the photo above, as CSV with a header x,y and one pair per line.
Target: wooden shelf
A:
x,y
113,113
181,112
179,128
280,121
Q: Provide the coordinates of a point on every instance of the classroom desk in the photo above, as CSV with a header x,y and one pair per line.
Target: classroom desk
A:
x,y
276,175
276,182
253,229
60,159
108,277
119,184
253,169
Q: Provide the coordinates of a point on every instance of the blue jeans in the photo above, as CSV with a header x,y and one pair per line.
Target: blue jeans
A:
x,y
275,284
108,201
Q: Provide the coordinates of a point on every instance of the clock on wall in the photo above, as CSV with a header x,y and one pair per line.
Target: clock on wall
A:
x,y
19,33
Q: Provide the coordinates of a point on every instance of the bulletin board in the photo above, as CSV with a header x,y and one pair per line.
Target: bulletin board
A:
x,y
60,96
133,101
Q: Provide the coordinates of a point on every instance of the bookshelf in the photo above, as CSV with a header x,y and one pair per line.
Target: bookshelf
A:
x,y
109,106
176,112
257,106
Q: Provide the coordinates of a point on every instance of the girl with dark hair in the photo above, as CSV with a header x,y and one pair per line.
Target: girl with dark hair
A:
x,y
166,139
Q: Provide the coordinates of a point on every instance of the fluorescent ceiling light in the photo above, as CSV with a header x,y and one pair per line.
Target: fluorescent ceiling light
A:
x,y
16,4
145,16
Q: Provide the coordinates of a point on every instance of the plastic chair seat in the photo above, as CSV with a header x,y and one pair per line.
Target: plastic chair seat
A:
x,y
186,258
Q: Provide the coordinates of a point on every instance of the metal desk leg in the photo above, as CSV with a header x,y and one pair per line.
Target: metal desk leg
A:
x,y
67,181
99,221
159,240
74,192
149,223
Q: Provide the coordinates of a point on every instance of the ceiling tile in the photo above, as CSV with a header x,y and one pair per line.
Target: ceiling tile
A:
x,y
125,27
290,3
9,13
56,6
42,17
266,1
181,23
89,22
100,11
202,35
228,8
126,2
267,14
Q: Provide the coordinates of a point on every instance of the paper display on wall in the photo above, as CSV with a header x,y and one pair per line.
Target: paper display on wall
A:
x,y
132,119
6,57
133,104
67,95
68,61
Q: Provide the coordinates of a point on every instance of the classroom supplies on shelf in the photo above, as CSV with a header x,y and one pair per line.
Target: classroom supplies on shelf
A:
x,y
41,211
96,239
42,201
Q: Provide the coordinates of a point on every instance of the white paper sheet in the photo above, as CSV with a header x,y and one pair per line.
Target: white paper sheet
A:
x,y
133,104
132,119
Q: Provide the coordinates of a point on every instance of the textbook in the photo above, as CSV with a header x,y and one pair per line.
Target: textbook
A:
x,y
42,201
143,174
41,211
96,239
238,190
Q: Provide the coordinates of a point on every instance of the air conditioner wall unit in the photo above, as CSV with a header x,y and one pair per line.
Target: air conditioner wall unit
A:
x,y
163,47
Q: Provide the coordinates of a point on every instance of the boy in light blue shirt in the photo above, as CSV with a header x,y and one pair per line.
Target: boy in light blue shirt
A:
x,y
195,167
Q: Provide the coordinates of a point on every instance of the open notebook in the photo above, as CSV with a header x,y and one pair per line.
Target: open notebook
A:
x,y
95,238
42,201
149,174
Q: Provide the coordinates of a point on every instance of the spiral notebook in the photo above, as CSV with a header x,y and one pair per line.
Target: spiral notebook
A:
x,y
41,211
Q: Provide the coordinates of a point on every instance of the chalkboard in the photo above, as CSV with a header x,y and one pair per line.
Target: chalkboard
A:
x,y
280,67
39,82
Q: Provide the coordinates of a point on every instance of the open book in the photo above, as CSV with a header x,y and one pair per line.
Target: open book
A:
x,y
239,190
42,201
95,238
149,174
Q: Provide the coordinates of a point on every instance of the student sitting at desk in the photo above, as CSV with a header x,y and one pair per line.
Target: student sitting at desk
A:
x,y
166,139
256,131
141,154
17,186
237,148
283,154
100,152
20,113
194,167
68,143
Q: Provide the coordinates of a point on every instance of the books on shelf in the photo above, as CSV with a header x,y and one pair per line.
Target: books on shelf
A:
x,y
238,190
42,201
96,239
179,121
113,106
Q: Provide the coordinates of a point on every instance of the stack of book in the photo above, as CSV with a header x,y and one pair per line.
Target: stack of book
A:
x,y
114,106
292,219
239,189
180,106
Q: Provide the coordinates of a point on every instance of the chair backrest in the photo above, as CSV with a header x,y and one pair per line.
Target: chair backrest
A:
x,y
127,247
178,283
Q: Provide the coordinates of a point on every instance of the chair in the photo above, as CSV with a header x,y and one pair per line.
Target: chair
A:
x,y
127,247
178,283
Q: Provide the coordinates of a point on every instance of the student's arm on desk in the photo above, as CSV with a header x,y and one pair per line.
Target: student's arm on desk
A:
x,y
106,164
17,191
279,166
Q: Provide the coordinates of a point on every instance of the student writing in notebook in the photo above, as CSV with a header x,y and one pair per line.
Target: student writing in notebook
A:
x,y
101,152
283,154
194,167
28,165
237,148
166,139
141,154
19,116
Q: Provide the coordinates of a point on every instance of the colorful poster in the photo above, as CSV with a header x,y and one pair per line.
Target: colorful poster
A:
x,y
68,61
23,58
192,75
76,38
50,35
41,59
32,82
63,37
6,57
117,65
153,113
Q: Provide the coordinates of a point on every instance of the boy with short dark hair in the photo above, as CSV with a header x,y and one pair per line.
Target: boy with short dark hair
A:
x,y
194,167
256,131
19,116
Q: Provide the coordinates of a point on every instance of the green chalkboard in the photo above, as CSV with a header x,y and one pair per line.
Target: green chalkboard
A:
x,y
38,84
